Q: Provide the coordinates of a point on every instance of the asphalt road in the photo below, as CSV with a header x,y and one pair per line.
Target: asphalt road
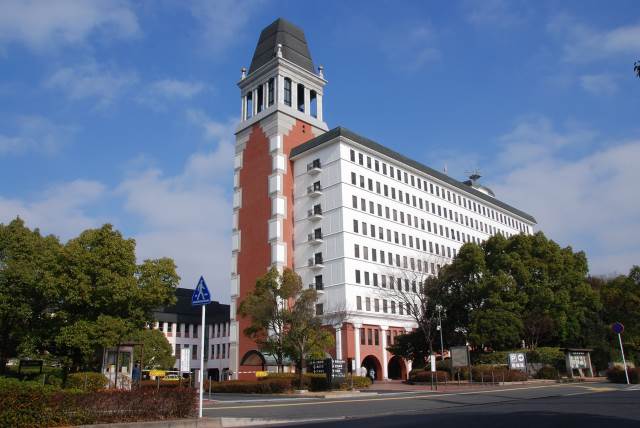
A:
x,y
556,405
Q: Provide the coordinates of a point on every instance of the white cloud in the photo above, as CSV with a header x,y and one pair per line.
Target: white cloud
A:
x,y
410,49
222,22
496,13
582,43
599,84
60,210
92,81
35,134
42,25
187,217
588,201
158,94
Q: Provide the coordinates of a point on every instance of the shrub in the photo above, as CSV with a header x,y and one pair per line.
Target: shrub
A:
x,y
87,381
28,404
491,373
616,375
267,386
426,376
547,372
359,382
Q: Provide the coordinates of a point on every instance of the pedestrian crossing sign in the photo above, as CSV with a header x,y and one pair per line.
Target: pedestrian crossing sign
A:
x,y
201,295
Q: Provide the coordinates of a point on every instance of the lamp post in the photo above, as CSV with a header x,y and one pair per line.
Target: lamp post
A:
x,y
439,309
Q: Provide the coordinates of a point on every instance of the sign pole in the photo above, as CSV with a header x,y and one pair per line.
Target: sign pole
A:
x,y
624,361
201,376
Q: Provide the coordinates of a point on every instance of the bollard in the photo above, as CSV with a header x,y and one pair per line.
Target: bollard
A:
x,y
158,383
209,387
482,378
492,380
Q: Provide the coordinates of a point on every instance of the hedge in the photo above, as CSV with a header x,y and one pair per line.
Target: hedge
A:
x,y
29,404
428,376
87,381
547,372
277,383
616,375
491,373
267,386
543,355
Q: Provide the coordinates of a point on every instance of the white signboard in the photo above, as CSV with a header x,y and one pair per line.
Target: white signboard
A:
x,y
185,360
517,361
433,363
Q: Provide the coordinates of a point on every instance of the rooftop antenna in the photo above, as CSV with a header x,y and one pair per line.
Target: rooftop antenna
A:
x,y
474,175
445,169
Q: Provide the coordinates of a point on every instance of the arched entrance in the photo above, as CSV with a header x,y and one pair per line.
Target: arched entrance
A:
x,y
253,358
396,369
371,362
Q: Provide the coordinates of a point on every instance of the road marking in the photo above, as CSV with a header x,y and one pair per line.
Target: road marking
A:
x,y
367,400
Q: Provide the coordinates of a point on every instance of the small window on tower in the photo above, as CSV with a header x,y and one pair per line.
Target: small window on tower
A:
x,y
313,103
287,91
260,97
300,97
271,89
249,106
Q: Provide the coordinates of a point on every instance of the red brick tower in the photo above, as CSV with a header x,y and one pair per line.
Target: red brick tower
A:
x,y
281,109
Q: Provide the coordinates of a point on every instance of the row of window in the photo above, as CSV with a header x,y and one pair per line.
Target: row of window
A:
x,y
406,240
191,330
368,278
218,351
420,203
371,336
404,262
384,305
424,185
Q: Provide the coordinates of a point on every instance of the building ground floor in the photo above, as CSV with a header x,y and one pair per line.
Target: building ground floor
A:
x,y
360,345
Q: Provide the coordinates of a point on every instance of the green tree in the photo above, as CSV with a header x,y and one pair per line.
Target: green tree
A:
x,y
156,349
412,346
102,282
267,306
29,288
305,338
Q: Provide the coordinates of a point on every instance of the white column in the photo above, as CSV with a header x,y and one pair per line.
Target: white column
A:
x,y
243,115
265,90
294,95
280,90
339,342
307,101
385,372
255,101
319,106
409,364
356,335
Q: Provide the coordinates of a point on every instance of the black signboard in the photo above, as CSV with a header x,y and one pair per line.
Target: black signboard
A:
x,y
339,368
30,363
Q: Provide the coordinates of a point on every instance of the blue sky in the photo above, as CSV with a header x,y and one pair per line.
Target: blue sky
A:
x,y
123,112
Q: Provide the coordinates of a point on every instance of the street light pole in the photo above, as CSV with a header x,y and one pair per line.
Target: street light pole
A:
x,y
439,308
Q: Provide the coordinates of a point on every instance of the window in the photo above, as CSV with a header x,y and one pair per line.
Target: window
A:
x,y
376,305
393,307
355,226
194,352
287,91
270,87
169,327
370,334
218,351
177,351
213,352
384,306
187,330
401,308
375,279
195,331
366,278
367,302
353,178
354,201
319,309
356,250
352,155
376,336
359,303
357,276
224,348
363,336
301,97
360,159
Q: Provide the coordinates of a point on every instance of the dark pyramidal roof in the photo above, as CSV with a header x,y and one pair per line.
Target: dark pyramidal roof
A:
x,y
183,312
294,45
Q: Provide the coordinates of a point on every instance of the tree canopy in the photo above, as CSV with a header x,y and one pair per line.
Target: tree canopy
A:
x,y
73,299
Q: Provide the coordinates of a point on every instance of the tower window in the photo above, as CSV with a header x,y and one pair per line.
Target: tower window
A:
x,y
271,89
313,103
249,106
287,91
260,98
300,97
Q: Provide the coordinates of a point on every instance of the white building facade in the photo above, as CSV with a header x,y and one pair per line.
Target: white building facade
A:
x,y
356,220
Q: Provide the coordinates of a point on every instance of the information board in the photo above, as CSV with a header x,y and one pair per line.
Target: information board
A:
x,y
517,361
578,360
459,356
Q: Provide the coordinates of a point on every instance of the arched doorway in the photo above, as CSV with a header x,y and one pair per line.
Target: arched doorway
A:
x,y
396,369
371,362
253,358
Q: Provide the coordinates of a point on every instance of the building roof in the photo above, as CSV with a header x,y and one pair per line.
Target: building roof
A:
x,y
344,132
294,45
183,312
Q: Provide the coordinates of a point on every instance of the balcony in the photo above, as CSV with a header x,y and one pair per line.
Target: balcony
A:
x,y
314,214
318,286
314,191
314,168
315,264
314,239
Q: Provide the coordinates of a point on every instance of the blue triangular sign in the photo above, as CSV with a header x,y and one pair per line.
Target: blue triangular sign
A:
x,y
201,295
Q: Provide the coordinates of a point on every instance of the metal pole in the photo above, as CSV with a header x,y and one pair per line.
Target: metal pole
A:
x,y
440,328
624,361
201,374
